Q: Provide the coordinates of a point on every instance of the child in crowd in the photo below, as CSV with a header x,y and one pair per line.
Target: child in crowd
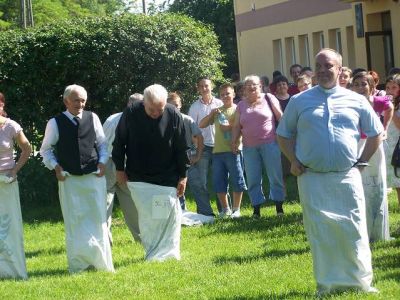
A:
x,y
226,165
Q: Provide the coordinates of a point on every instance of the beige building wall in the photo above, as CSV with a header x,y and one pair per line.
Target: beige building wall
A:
x,y
274,34
376,15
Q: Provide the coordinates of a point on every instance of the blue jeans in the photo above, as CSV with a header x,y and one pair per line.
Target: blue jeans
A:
x,y
227,166
269,156
197,182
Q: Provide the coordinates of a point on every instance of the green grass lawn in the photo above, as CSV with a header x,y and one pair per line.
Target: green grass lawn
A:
x,y
245,258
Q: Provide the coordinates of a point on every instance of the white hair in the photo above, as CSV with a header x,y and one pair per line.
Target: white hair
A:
x,y
75,88
155,93
254,78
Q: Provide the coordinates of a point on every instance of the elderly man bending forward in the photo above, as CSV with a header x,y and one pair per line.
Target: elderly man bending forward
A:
x,y
75,147
152,136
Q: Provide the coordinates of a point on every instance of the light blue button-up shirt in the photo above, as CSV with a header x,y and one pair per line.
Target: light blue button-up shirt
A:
x,y
326,125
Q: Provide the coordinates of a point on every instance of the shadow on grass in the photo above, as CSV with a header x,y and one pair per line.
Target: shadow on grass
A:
x,y
127,262
274,254
284,295
249,224
46,251
50,213
47,273
389,263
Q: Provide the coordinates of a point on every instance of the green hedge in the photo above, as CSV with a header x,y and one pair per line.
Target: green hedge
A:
x,y
110,57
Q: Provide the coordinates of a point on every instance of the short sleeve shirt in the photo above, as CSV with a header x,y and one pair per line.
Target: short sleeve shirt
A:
x,y
326,125
8,132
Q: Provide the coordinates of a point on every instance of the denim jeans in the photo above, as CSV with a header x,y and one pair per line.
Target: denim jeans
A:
x,y
197,182
269,156
227,166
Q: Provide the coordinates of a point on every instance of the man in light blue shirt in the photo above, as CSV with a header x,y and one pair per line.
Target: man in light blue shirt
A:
x,y
319,132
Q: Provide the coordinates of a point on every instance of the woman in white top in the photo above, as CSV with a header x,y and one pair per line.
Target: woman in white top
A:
x,y
12,256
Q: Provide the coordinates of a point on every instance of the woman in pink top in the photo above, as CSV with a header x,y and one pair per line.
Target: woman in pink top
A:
x,y
12,256
374,176
255,121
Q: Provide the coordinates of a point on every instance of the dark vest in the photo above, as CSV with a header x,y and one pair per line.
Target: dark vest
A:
x,y
76,147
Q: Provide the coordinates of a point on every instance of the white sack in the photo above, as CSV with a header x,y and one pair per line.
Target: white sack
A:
x,y
193,219
375,191
83,204
12,255
334,219
159,215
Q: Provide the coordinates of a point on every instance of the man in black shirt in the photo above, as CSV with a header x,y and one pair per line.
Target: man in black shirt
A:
x,y
151,135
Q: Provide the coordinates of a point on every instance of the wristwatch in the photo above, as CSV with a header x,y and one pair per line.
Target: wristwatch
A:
x,y
361,163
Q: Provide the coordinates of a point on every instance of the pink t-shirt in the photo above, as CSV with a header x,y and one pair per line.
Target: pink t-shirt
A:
x,y
257,122
8,132
380,104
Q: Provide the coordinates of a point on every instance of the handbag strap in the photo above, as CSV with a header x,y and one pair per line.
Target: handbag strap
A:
x,y
270,106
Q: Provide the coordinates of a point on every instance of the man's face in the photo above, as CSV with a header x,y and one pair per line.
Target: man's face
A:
x,y
327,69
295,72
75,103
154,109
204,87
227,95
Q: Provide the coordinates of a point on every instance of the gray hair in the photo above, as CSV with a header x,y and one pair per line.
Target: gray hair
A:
x,y
134,98
338,56
252,77
75,88
155,93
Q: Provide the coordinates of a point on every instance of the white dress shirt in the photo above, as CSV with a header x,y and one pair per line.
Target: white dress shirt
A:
x,y
51,137
198,110
109,127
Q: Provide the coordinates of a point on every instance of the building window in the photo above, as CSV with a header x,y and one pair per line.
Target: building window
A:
x,y
351,52
304,50
278,55
318,41
290,51
335,39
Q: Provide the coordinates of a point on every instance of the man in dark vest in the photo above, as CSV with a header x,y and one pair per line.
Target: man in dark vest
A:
x,y
74,146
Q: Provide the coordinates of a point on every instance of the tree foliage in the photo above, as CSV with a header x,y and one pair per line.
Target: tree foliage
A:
x,y
46,11
111,57
220,15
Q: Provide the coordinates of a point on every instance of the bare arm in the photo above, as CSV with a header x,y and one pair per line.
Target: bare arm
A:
x,y
209,119
199,151
26,150
287,147
371,145
387,118
236,132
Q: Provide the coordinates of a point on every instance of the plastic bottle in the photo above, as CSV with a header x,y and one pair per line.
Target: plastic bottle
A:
x,y
224,121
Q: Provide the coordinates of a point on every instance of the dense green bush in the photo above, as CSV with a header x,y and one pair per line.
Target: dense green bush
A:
x,y
111,58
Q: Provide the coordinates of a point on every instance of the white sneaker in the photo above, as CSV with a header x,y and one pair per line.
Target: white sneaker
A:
x,y
225,213
236,214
